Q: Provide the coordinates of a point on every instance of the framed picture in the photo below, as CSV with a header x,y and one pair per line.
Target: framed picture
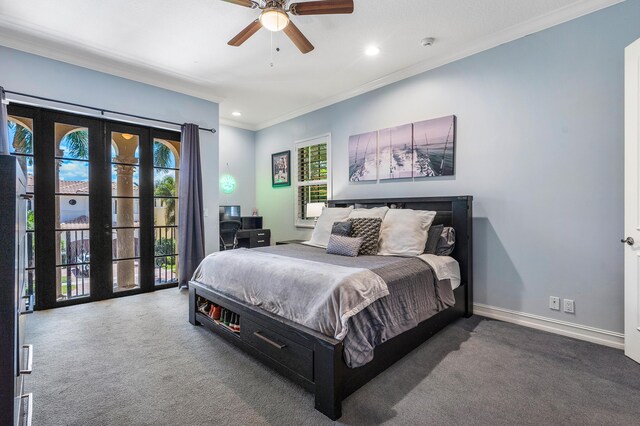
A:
x,y
363,157
281,169
396,152
434,147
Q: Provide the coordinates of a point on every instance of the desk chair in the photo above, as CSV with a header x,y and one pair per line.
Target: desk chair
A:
x,y
228,231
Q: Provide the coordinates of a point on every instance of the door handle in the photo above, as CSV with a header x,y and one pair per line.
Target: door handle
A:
x,y
628,240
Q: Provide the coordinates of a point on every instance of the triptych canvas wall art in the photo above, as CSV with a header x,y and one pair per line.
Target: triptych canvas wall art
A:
x,y
421,149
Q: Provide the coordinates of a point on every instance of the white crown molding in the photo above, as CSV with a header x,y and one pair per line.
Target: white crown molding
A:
x,y
531,26
238,124
563,328
60,49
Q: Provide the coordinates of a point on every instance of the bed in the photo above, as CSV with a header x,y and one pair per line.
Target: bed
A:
x,y
329,367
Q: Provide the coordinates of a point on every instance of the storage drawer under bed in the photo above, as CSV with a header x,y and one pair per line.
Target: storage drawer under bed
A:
x,y
277,347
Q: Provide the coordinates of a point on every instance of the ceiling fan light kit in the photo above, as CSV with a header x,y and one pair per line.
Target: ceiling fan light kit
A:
x,y
275,17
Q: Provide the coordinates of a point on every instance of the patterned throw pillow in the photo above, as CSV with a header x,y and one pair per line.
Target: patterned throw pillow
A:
x,y
447,242
367,228
344,246
341,228
433,238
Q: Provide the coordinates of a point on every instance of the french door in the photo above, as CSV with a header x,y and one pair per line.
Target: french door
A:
x,y
104,206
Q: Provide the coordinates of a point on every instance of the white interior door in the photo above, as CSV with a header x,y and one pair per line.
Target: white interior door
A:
x,y
632,203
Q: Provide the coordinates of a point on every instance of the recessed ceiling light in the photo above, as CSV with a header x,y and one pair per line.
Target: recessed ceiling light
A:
x,y
236,113
372,51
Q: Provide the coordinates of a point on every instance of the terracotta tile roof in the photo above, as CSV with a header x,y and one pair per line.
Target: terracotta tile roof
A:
x,y
74,186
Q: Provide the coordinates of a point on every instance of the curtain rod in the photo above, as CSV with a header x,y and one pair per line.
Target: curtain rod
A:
x,y
103,110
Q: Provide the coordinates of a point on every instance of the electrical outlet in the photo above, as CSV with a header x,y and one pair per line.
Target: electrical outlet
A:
x,y
569,306
554,303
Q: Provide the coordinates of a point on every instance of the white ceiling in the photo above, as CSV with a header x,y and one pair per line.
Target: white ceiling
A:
x,y
182,45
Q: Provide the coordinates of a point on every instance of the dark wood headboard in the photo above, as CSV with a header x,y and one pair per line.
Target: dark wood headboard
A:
x,y
450,211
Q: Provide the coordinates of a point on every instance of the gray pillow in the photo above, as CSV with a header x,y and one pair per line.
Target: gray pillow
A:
x,y
341,228
367,228
433,238
344,246
447,242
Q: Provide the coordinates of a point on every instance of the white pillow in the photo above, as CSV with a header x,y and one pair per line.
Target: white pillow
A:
x,y
404,232
374,212
322,231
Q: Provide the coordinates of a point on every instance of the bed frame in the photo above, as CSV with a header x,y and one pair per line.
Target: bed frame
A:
x,y
314,360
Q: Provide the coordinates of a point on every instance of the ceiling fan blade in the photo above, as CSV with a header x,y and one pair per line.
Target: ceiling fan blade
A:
x,y
325,7
245,3
244,35
298,38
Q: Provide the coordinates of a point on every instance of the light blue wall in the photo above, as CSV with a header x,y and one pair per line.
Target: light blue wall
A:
x,y
26,73
237,154
540,147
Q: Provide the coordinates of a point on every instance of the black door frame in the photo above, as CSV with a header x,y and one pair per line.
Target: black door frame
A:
x,y
100,211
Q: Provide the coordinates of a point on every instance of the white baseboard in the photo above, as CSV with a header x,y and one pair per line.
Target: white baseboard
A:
x,y
564,328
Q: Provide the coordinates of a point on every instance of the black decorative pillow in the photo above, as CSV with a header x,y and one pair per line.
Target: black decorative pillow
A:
x,y
344,246
447,242
433,238
341,228
367,228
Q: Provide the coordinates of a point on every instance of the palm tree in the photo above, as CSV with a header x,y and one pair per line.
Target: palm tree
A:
x,y
22,139
77,144
166,187
162,156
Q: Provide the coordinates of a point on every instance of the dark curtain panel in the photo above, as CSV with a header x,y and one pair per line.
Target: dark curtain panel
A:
x,y
190,206
4,125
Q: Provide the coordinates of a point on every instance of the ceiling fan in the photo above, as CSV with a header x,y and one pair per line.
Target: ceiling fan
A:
x,y
275,17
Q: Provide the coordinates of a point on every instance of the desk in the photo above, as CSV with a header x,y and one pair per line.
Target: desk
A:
x,y
251,238
280,243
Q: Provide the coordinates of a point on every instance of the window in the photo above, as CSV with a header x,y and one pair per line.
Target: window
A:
x,y
312,176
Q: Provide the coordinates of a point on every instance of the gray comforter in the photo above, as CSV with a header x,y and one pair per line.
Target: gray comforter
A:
x,y
413,295
318,295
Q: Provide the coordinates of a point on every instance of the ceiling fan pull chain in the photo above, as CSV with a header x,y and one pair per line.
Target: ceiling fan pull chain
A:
x,y
271,51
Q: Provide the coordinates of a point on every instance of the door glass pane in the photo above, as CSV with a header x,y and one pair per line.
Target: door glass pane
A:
x,y
165,153
125,212
166,269
73,142
21,135
165,211
126,275
125,181
21,140
31,249
74,247
125,243
166,240
73,273
73,211
166,176
30,213
125,148
73,177
164,183
73,281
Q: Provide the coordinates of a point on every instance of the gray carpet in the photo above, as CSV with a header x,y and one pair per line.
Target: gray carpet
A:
x,y
137,361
